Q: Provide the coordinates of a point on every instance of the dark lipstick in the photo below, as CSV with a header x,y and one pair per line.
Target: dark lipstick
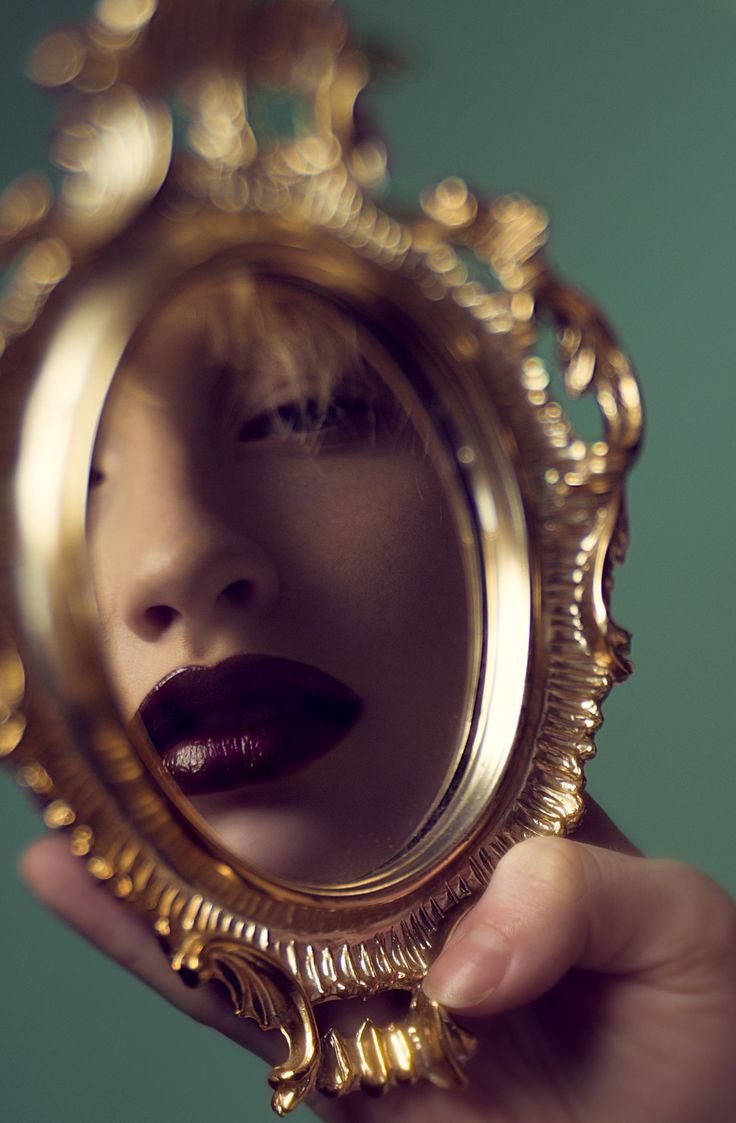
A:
x,y
248,719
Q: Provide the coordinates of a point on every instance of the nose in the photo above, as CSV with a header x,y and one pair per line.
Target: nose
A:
x,y
199,580
175,554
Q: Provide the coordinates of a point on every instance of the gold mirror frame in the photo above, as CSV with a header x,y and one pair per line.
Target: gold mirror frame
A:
x,y
544,510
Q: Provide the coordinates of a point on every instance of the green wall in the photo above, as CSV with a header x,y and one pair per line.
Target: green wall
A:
x,y
618,118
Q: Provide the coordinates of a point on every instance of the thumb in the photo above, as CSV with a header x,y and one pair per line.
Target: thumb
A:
x,y
554,904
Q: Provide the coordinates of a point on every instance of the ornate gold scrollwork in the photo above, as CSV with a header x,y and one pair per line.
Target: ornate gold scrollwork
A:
x,y
260,989
509,235
427,1044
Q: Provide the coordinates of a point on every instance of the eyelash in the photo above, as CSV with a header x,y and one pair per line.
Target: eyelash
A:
x,y
341,419
312,423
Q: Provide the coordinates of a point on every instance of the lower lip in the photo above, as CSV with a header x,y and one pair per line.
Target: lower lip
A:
x,y
266,750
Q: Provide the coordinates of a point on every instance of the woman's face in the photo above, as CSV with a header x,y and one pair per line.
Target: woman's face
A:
x,y
280,589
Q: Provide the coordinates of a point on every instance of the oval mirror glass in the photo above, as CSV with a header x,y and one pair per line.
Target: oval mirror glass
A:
x,y
280,576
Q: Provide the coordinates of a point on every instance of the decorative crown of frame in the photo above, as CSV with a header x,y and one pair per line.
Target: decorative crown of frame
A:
x,y
235,108
142,77
144,74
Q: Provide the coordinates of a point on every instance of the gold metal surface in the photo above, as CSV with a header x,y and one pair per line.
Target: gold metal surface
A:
x,y
544,510
427,1044
261,990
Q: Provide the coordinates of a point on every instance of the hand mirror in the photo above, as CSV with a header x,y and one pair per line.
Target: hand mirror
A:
x,y
312,569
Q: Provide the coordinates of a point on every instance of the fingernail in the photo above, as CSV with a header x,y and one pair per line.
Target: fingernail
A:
x,y
470,968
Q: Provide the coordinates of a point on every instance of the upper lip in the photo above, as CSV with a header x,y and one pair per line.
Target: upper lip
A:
x,y
214,703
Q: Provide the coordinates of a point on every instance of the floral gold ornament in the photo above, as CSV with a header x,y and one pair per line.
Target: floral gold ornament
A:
x,y
178,167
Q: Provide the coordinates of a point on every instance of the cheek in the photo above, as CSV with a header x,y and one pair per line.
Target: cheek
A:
x,y
373,548
103,555
117,543
105,560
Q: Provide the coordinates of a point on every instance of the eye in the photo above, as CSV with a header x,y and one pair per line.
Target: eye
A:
x,y
342,418
96,477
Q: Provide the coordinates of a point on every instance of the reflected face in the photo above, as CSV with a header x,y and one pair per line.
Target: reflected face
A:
x,y
280,590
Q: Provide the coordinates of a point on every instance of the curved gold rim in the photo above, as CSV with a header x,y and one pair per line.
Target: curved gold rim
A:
x,y
62,420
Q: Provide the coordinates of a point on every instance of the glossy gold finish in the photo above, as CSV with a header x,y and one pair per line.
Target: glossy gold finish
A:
x,y
261,990
428,1044
543,509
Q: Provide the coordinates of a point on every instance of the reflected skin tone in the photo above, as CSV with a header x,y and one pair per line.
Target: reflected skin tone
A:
x,y
257,490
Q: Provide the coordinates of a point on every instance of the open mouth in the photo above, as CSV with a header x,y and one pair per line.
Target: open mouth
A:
x,y
249,719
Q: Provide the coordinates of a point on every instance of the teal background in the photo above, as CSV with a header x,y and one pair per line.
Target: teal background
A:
x,y
619,119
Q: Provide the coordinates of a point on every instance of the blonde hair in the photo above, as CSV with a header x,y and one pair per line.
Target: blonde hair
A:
x,y
282,336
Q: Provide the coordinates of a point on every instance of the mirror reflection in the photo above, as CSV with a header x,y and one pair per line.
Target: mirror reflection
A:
x,y
280,585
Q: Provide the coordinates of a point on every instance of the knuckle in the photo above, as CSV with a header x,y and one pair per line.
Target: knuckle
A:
x,y
551,873
703,927
716,915
555,864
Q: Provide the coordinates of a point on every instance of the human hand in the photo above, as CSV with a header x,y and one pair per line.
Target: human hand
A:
x,y
602,988
606,988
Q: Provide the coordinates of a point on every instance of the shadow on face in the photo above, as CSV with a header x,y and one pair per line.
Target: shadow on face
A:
x,y
280,587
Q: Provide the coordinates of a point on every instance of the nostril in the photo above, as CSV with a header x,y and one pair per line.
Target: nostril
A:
x,y
159,616
239,594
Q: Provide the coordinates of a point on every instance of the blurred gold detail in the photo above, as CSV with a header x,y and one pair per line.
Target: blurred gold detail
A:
x,y
219,130
81,841
115,160
12,680
123,886
58,814
58,59
100,868
34,776
368,162
12,729
450,203
12,689
23,205
125,16
47,263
